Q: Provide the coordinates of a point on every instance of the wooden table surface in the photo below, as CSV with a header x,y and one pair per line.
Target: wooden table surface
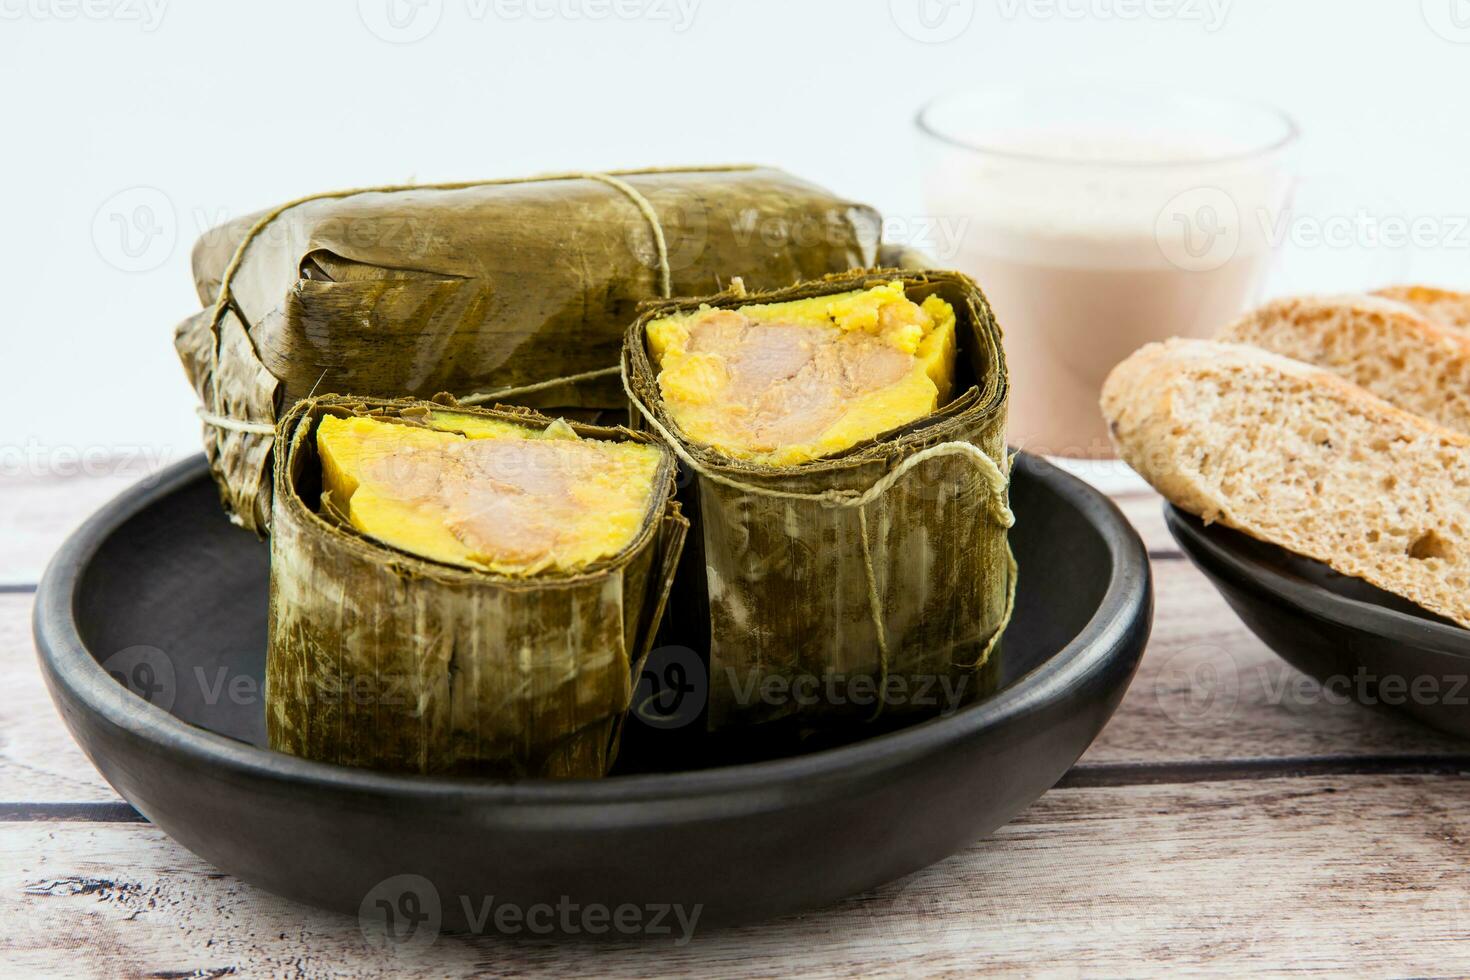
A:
x,y
1228,819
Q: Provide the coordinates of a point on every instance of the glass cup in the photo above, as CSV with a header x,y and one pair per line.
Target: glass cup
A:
x,y
1097,220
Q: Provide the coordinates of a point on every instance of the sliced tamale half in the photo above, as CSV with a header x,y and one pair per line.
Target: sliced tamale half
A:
x,y
477,289
462,590
846,438
790,382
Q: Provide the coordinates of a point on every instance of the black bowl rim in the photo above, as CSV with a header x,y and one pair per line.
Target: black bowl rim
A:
x,y
1307,597
1106,636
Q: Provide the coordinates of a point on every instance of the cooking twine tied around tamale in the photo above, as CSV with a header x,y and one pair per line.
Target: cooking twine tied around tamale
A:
x,y
215,414
996,479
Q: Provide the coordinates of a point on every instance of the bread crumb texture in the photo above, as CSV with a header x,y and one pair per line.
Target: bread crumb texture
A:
x,y
1294,455
1389,348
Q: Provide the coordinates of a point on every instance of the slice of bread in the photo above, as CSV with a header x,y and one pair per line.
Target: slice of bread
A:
x,y
1444,306
1294,455
1380,344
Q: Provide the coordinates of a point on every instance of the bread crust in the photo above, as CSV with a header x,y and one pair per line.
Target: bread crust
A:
x,y
1444,306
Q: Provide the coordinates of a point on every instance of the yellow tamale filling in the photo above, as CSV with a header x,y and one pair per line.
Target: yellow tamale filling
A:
x,y
485,493
786,383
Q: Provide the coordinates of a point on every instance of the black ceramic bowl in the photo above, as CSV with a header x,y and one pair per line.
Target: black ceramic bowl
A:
x,y
172,599
1358,641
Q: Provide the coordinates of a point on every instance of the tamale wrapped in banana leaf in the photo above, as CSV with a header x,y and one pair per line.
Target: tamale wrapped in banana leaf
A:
x,y
462,590
507,290
846,438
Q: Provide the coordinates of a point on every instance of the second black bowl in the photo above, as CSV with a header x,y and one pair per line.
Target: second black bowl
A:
x,y
1358,641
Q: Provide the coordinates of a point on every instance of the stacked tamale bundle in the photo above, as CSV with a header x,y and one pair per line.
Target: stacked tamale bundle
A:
x,y
513,290
462,590
846,442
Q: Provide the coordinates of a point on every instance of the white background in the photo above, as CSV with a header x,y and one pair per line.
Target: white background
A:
x,y
215,109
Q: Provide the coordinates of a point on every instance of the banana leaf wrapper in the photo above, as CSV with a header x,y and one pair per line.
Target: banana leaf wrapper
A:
x,y
780,588
477,288
384,660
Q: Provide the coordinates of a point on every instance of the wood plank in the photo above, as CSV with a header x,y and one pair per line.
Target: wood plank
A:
x,y
1145,511
38,759
1368,875
45,495
1207,689
1112,476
